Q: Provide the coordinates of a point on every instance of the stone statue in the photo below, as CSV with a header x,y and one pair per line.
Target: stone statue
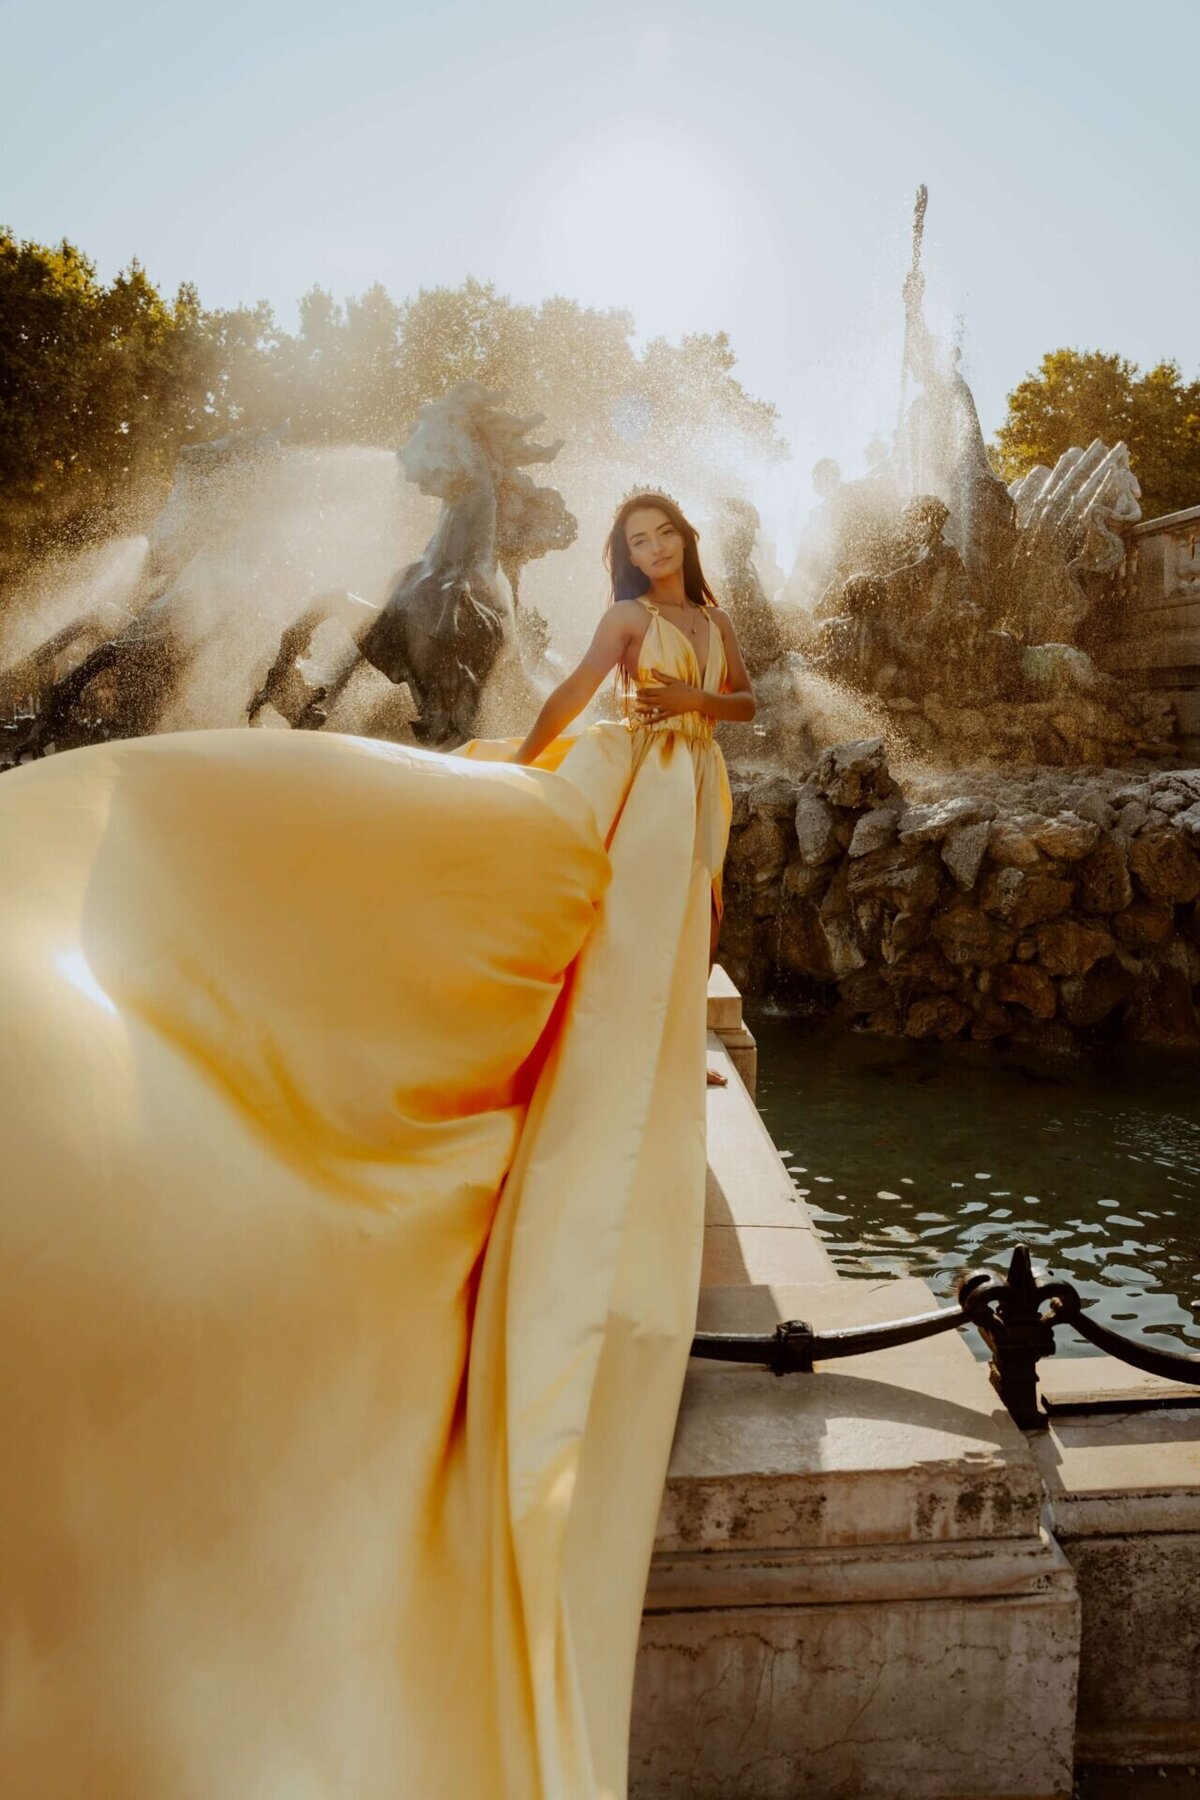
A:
x,y
916,629
451,619
742,593
1070,547
940,450
858,645
113,672
854,531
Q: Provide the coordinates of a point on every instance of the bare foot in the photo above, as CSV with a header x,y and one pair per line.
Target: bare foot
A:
x,y
716,1079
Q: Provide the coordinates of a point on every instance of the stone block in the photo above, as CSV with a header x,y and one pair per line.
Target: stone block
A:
x,y
1067,837
874,830
1024,898
971,939
964,851
1103,879
816,829
1164,866
862,1698
1124,1492
1070,947
855,774
1025,985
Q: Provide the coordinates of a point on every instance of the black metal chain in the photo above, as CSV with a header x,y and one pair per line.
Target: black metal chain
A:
x,y
1008,1314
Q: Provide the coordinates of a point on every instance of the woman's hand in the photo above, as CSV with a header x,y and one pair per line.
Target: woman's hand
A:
x,y
666,699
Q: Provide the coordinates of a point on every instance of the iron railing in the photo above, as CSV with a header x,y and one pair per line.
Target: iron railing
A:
x,y
1016,1315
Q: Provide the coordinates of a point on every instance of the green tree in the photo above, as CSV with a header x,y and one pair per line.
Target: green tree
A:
x,y
1080,395
98,387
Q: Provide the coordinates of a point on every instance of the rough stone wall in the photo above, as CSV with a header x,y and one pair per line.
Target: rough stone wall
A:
x,y
1050,907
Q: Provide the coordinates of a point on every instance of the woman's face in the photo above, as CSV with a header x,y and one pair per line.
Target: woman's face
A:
x,y
655,546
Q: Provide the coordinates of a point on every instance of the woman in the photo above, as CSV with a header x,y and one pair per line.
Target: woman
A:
x,y
699,677
350,1242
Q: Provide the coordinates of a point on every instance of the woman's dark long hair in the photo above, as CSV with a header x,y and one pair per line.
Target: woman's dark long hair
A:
x,y
629,583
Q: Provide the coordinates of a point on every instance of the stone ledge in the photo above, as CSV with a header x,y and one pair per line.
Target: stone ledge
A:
x,y
1122,1473
858,1576
909,1445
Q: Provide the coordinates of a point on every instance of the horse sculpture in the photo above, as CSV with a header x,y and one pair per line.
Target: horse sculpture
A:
x,y
451,618
113,672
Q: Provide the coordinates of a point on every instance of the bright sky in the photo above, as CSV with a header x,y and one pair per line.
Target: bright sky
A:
x,y
748,167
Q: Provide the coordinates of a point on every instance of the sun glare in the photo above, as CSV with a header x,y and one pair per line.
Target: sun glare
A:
x,y
645,215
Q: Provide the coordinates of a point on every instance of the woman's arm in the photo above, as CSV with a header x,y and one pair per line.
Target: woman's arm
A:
x,y
612,637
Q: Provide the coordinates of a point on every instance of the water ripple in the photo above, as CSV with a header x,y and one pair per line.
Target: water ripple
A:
x,y
1095,1165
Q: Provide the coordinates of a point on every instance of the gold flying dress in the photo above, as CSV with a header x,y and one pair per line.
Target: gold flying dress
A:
x,y
353,1175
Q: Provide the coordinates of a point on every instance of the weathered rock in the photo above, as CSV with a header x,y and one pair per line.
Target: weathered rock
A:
x,y
968,937
1066,837
869,916
739,793
964,851
804,881
925,967
865,991
855,774
1184,955
1065,915
930,824
1010,848
936,1016
1024,899
1087,999
902,933
1164,867
992,1021
1024,984
874,830
1070,947
816,829
843,948
1103,879
761,853
1165,1013
803,947
1169,801
1132,816
1144,925
906,878
1095,807
774,795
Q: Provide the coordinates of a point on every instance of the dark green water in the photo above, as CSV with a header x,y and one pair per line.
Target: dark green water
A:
x,y
931,1159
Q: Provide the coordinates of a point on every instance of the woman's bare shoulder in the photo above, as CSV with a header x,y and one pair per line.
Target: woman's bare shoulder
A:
x,y
629,617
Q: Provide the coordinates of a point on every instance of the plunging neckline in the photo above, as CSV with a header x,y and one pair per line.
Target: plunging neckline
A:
x,y
701,670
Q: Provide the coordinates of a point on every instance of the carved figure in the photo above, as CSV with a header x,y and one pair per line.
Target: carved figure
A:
x,y
450,620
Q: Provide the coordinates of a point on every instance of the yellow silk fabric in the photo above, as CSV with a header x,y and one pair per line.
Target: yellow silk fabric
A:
x,y
353,1128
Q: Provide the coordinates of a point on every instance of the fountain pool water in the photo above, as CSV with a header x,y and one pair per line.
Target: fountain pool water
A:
x,y
929,1159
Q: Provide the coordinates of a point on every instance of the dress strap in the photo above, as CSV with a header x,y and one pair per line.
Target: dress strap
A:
x,y
649,605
